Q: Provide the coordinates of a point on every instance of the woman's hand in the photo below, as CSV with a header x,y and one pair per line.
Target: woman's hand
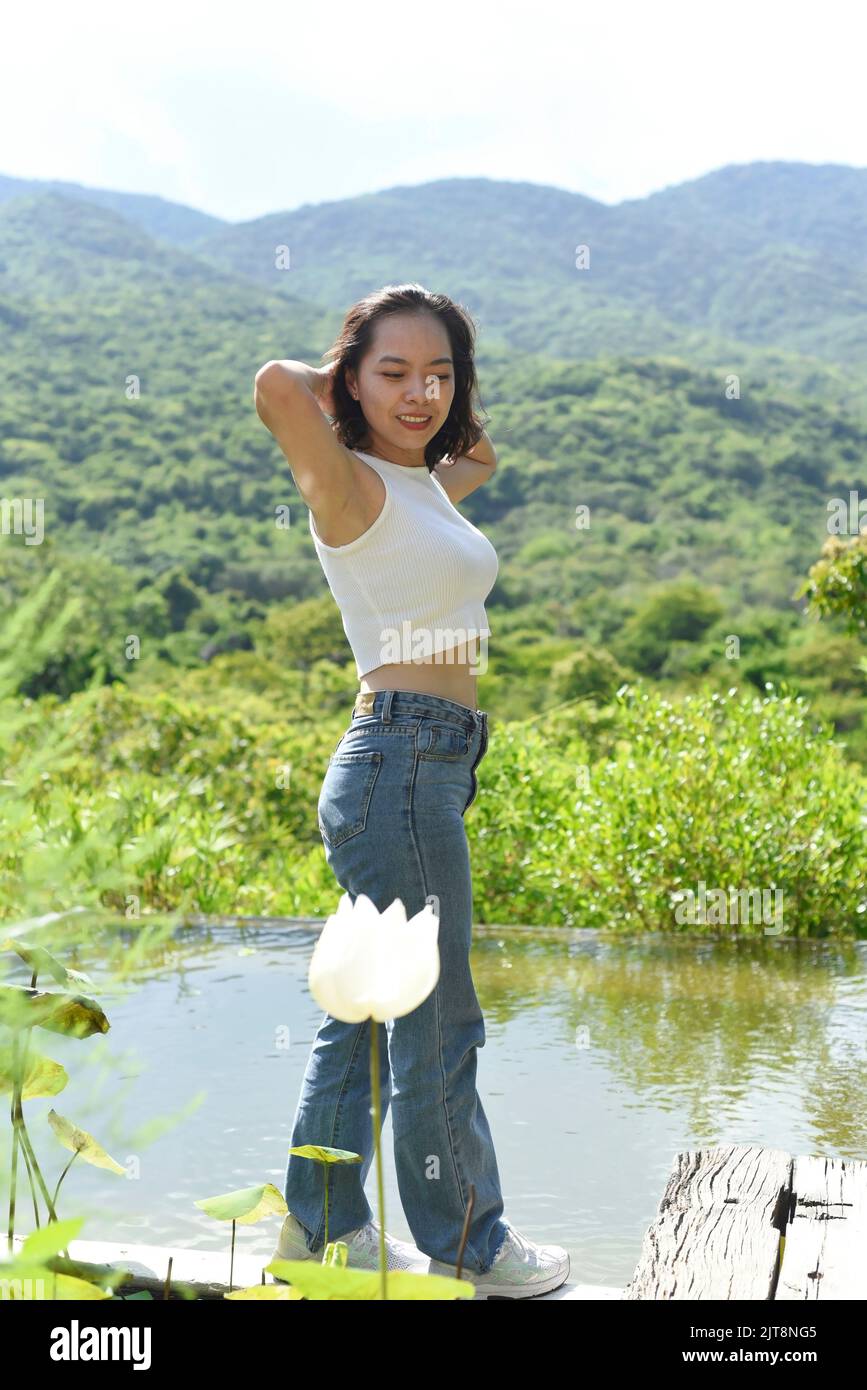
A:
x,y
322,385
482,451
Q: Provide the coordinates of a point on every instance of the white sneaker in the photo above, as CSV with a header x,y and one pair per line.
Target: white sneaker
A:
x,y
363,1248
520,1269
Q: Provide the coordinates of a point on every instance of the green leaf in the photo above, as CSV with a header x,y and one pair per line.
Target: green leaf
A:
x,y
79,1141
72,1014
41,960
43,1077
246,1205
331,1282
322,1153
50,1239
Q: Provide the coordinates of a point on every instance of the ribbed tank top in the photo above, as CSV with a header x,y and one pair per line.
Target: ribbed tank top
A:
x,y
415,582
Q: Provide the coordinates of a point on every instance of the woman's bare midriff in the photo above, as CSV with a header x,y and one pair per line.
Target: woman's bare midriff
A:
x,y
434,675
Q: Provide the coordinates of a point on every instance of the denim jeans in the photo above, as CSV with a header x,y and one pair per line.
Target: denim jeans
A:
x,y
391,819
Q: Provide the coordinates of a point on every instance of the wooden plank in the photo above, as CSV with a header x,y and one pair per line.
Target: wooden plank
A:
x,y
717,1231
825,1254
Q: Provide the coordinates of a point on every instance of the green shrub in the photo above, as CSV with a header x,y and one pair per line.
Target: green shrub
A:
x,y
743,792
586,816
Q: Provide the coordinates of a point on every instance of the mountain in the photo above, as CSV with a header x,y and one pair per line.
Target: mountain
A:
x,y
766,255
127,361
51,245
90,299
157,216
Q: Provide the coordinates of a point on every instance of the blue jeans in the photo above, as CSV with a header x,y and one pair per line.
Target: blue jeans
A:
x,y
391,820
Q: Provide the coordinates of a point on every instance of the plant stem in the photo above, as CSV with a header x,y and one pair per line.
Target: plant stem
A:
x,y
36,1220
26,1144
380,1193
14,1173
19,1068
63,1175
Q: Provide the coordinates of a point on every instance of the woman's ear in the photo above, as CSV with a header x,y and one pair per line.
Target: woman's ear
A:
x,y
351,383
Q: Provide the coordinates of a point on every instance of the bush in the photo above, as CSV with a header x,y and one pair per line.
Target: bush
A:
x,y
588,671
680,612
591,816
741,792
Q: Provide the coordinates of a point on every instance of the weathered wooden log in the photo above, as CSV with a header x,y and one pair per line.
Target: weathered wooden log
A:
x,y
826,1238
718,1228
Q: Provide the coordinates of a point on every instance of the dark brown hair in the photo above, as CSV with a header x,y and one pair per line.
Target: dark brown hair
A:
x,y
462,428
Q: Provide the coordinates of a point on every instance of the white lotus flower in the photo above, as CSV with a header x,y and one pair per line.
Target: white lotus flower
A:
x,y
368,964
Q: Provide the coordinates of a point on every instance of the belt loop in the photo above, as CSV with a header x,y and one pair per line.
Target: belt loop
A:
x,y
385,712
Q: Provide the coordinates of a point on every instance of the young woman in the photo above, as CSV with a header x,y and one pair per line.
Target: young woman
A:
x,y
410,575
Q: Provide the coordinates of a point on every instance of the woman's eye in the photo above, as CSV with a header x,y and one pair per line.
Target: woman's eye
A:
x,y
396,376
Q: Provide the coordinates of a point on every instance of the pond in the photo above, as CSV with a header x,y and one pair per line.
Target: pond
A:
x,y
604,1058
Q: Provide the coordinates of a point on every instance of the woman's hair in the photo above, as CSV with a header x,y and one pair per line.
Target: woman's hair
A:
x,y
463,428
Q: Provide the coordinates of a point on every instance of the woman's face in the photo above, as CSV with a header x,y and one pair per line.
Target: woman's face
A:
x,y
407,370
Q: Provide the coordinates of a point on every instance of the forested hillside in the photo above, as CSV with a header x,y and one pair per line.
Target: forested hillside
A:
x,y
698,387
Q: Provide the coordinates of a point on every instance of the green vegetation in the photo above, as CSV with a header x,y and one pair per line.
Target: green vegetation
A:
x,y
605,823
837,584
678,665
175,559
592,815
654,516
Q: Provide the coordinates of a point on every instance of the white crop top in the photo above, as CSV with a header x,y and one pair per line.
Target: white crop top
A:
x,y
415,582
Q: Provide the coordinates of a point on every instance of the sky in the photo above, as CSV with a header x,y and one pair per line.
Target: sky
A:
x,y
243,109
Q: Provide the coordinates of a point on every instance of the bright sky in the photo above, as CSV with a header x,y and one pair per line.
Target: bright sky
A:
x,y
242,109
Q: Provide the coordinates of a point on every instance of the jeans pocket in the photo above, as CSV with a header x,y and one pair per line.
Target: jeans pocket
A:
x,y
441,741
344,800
